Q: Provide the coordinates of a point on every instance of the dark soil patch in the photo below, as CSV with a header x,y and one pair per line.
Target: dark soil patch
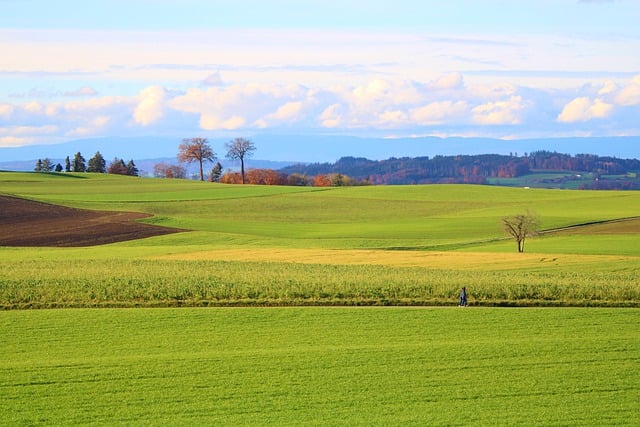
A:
x,y
28,223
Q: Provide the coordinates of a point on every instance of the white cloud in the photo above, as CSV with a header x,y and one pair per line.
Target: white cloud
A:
x,y
289,112
17,136
447,105
93,128
210,121
608,87
235,106
28,130
150,109
394,118
6,110
630,94
439,112
447,82
331,117
14,141
583,109
33,107
506,112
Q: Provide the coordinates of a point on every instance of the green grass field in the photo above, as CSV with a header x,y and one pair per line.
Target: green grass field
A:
x,y
284,246
320,366
257,245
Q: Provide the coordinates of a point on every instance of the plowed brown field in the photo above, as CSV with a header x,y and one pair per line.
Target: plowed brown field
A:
x,y
28,223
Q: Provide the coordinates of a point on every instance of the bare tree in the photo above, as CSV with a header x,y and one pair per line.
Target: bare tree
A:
x,y
238,149
521,226
196,150
165,170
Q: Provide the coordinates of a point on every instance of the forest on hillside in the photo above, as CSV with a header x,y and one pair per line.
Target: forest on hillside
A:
x,y
604,172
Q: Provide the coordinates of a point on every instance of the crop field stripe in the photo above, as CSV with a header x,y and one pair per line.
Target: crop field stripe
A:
x,y
406,258
391,366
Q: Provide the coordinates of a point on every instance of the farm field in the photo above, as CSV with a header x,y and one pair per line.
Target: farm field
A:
x,y
320,366
248,344
251,245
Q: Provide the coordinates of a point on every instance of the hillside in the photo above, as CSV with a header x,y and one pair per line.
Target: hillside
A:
x,y
585,171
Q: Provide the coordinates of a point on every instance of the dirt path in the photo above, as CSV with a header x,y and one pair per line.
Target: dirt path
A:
x,y
28,223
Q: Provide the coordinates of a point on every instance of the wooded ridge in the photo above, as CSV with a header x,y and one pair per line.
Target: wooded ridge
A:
x,y
606,172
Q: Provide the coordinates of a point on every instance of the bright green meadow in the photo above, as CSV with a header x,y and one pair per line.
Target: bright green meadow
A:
x,y
320,366
271,245
254,341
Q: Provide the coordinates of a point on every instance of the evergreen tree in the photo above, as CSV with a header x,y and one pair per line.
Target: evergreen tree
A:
x,y
67,165
58,167
47,165
132,170
216,173
79,163
97,163
38,167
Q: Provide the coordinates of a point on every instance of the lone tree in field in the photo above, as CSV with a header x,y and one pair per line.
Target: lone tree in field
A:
x,y
196,150
521,226
238,149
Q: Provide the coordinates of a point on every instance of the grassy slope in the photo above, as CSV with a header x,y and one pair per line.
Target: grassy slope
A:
x,y
393,366
356,217
282,245
320,366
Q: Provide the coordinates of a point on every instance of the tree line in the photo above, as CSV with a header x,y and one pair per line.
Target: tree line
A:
x,y
96,164
199,151
474,169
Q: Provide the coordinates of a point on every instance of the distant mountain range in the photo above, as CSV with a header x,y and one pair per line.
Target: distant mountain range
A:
x,y
277,151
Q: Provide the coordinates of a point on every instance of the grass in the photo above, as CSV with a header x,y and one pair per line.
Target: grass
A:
x,y
320,366
281,246
257,245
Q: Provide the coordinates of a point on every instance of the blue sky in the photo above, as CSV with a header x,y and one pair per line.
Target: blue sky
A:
x,y
496,68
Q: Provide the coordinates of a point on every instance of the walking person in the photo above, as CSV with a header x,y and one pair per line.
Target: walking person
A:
x,y
463,297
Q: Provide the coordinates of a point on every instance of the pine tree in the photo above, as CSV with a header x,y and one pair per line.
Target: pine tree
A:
x,y
79,163
216,173
38,167
47,165
67,165
97,164
132,170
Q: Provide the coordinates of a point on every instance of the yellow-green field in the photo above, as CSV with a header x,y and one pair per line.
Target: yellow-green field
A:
x,y
285,246
252,245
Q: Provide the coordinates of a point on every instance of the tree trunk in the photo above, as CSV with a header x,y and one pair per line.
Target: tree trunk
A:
x,y
242,168
201,172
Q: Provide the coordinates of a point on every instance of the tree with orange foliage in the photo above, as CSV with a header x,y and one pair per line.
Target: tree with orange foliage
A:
x,y
265,177
231,178
322,181
196,150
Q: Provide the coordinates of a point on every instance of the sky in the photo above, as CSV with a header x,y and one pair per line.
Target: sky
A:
x,y
502,69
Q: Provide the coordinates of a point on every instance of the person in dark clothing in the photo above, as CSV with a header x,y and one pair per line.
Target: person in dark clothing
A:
x,y
463,297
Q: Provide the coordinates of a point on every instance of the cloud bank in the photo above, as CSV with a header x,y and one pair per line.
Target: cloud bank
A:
x,y
446,105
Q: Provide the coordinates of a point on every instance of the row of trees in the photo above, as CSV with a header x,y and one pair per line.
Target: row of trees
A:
x,y
96,164
465,168
198,150
272,177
